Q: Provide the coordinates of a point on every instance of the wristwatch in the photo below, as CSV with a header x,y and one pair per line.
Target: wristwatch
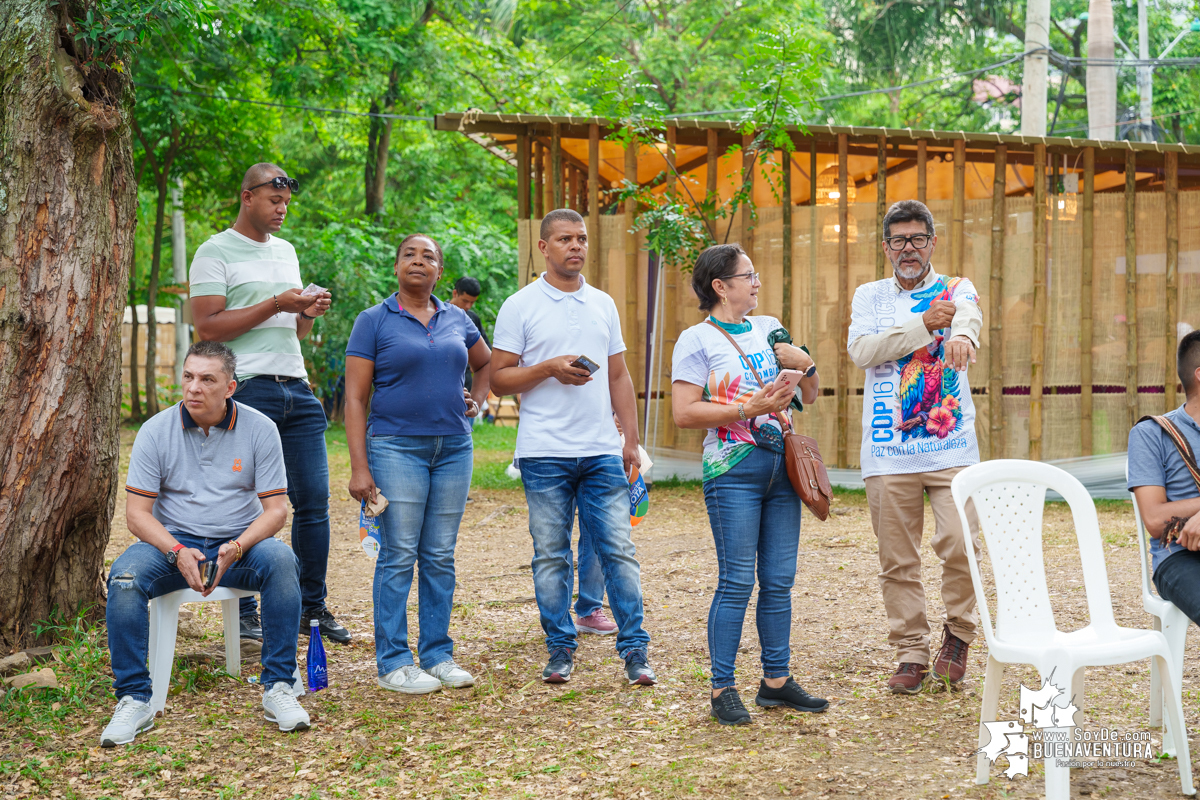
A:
x,y
174,554
808,373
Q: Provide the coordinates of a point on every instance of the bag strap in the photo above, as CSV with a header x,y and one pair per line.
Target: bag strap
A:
x,y
750,364
1181,444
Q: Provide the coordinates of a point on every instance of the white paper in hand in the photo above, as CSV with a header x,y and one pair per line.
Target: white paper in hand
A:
x,y
312,289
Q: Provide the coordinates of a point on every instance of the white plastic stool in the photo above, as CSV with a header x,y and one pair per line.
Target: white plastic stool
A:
x,y
164,625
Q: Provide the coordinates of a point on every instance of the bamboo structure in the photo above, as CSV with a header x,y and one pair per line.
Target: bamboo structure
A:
x,y
1171,198
996,315
1086,272
746,234
1037,340
976,186
843,298
1131,333
556,164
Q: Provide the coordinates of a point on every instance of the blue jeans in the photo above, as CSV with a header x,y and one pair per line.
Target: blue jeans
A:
x,y
301,422
554,487
591,577
1177,579
425,479
755,516
142,572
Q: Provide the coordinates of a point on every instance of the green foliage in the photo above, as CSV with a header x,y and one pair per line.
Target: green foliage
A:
x,y
105,32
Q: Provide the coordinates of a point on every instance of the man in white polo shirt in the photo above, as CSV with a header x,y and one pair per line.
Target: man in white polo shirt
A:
x,y
206,484
245,290
568,449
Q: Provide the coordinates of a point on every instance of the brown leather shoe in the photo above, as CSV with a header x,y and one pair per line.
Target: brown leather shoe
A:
x,y
908,678
951,661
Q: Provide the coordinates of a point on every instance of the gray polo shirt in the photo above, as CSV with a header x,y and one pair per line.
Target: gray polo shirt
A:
x,y
210,485
1155,461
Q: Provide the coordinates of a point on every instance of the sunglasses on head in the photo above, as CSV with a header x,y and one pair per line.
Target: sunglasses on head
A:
x,y
279,182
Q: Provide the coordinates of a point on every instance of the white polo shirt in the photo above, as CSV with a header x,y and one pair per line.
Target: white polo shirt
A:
x,y
539,323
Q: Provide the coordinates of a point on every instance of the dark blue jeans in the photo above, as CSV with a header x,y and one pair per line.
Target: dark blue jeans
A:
x,y
142,573
591,577
554,487
755,517
1178,581
301,422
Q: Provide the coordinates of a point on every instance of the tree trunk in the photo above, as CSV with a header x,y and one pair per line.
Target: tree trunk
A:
x,y
160,215
135,399
369,207
67,200
379,140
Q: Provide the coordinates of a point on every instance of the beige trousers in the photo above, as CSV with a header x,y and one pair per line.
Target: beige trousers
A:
x,y
898,515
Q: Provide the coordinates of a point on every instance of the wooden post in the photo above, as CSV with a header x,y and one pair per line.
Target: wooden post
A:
x,y
996,307
814,305
921,171
670,316
958,208
1131,332
880,208
1086,329
748,179
549,180
523,166
843,258
710,180
539,193
788,205
1037,339
556,164
595,274
632,331
1171,189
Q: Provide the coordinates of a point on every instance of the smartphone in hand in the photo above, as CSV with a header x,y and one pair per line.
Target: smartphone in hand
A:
x,y
583,362
209,573
789,378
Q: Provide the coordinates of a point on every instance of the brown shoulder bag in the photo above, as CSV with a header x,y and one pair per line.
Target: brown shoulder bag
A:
x,y
806,470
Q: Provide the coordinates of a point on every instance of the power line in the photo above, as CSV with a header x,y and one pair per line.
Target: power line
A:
x,y
585,41
317,109
1079,127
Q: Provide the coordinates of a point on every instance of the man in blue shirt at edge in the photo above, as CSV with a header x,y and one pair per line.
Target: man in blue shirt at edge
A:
x,y
1166,492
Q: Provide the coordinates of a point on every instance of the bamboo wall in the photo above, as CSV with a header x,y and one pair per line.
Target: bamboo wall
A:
x,y
814,316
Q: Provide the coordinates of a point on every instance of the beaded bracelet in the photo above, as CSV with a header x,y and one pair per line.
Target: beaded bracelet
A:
x,y
278,310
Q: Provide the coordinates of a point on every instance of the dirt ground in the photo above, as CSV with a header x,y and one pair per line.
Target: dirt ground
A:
x,y
512,736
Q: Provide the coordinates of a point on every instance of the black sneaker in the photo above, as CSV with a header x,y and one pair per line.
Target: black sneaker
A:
x,y
728,709
637,669
251,627
790,695
330,628
558,668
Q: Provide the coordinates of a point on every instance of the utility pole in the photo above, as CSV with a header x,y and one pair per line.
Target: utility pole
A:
x,y
1033,84
1101,80
183,334
1145,80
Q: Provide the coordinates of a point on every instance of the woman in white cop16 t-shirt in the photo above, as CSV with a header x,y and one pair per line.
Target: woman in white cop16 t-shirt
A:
x,y
752,508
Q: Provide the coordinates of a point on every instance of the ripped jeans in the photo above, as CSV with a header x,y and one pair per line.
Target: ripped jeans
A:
x,y
142,573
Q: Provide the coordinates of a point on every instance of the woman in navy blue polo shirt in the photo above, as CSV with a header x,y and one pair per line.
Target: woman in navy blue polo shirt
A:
x,y
416,448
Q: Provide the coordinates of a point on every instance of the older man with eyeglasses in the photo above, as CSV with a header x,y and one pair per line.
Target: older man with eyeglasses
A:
x,y
914,334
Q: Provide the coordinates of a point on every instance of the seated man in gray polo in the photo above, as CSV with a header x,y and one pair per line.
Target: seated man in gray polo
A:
x,y
206,482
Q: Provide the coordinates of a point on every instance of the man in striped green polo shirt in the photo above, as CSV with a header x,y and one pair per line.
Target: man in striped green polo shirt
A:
x,y
245,291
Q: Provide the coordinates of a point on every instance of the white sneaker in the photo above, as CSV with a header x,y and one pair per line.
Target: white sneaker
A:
x,y
128,720
451,675
410,680
283,709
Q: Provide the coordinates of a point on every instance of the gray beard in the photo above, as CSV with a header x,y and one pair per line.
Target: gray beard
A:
x,y
911,274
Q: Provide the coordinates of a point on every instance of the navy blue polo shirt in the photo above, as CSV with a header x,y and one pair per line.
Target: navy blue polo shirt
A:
x,y
418,370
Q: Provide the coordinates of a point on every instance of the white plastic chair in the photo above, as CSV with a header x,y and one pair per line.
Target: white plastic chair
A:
x,y
1171,621
1009,496
164,626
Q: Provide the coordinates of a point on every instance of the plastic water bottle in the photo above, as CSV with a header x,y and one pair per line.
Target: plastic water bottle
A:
x,y
318,676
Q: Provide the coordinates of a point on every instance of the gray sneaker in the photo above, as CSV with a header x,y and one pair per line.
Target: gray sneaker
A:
x,y
282,708
129,719
410,680
451,675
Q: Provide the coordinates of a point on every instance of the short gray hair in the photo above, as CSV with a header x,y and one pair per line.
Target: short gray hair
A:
x,y
217,350
557,215
907,211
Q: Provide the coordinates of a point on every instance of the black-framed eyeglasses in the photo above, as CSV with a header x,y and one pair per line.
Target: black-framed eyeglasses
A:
x,y
919,241
752,276
279,182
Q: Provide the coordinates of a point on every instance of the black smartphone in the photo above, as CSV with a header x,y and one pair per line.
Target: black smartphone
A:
x,y
583,362
210,573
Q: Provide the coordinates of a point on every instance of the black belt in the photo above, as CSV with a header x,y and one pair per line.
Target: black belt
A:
x,y
277,378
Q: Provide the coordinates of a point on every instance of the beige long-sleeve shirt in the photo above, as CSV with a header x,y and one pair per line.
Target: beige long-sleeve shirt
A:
x,y
898,341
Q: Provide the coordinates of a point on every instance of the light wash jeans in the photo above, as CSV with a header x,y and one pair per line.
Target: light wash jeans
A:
x,y
591,577
142,573
425,479
755,517
554,488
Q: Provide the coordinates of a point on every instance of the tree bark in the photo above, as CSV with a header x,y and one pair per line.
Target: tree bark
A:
x,y
379,140
67,217
160,215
